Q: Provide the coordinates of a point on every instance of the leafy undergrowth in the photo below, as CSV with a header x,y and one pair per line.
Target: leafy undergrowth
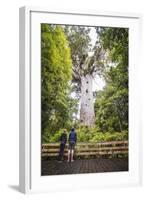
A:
x,y
86,134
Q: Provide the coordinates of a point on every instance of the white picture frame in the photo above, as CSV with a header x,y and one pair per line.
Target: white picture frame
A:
x,y
30,141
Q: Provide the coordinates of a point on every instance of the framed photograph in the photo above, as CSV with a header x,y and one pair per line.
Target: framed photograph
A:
x,y
79,100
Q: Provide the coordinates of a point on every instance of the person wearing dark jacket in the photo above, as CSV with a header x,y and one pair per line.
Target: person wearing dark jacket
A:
x,y
72,142
63,140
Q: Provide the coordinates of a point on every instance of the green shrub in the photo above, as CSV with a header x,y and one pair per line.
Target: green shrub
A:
x,y
87,134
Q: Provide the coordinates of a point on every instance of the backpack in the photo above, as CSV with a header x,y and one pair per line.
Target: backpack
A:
x,y
72,136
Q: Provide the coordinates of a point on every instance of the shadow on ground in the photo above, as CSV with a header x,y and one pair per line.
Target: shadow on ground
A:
x,y
14,187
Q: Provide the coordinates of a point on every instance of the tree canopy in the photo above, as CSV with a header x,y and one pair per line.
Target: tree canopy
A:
x,y
56,73
112,103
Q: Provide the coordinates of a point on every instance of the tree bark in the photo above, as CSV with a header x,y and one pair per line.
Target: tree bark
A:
x,y
87,115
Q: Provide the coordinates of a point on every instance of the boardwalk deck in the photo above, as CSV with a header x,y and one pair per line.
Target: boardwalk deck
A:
x,y
52,167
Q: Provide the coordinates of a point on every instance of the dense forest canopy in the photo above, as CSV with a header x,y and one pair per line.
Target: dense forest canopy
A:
x,y
112,103
56,72
65,64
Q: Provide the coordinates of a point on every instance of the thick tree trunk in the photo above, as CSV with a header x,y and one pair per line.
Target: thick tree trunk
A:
x,y
87,115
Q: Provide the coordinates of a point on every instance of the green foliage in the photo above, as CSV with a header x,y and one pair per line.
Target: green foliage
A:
x,y
115,40
111,104
103,137
56,74
86,134
92,134
79,43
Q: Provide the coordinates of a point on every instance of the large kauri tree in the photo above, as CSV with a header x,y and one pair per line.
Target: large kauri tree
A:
x,y
85,66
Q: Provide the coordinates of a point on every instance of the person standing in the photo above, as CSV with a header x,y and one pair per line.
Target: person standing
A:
x,y
72,142
63,140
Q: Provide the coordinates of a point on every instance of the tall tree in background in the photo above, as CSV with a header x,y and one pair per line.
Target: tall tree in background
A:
x,y
84,68
56,69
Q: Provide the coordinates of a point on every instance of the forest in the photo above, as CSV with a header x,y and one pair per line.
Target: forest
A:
x,y
70,66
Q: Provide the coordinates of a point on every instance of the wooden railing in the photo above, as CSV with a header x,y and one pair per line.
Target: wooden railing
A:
x,y
88,149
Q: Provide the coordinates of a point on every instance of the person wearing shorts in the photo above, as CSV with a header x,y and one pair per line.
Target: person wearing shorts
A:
x,y
72,143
